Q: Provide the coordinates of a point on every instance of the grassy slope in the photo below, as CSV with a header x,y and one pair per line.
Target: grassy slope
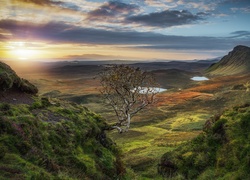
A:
x,y
236,62
55,141
222,151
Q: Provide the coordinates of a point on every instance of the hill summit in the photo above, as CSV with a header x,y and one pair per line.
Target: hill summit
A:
x,y
236,62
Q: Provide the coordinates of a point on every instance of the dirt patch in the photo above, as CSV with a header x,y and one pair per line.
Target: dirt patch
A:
x,y
48,116
13,96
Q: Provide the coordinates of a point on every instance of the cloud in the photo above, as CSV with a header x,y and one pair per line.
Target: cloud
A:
x,y
41,2
3,38
167,18
157,3
111,8
59,32
240,34
207,5
243,9
59,5
191,46
70,5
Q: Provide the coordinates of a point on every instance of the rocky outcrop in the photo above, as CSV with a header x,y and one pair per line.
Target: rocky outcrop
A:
x,y
9,80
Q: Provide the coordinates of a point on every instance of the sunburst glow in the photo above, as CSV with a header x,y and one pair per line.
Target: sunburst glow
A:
x,y
21,51
24,53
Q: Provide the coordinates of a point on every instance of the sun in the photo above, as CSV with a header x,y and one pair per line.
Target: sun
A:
x,y
23,52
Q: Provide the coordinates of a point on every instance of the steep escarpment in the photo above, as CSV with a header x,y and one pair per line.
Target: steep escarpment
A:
x,y
236,62
52,139
222,151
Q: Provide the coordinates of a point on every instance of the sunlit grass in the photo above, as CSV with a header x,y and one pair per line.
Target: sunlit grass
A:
x,y
189,121
144,145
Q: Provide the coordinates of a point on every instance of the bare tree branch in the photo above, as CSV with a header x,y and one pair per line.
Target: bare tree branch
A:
x,y
127,90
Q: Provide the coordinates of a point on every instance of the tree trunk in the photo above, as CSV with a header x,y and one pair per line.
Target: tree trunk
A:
x,y
118,128
128,122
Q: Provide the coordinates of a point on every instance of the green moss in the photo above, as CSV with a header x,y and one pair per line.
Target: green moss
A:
x,y
6,82
221,152
46,141
4,107
3,151
13,166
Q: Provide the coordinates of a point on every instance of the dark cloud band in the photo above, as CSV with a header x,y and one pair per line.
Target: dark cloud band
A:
x,y
110,9
167,18
41,2
58,32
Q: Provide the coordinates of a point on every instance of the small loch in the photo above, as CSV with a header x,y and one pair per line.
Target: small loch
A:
x,y
199,78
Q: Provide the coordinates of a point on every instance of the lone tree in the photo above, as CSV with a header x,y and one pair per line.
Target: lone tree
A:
x,y
127,90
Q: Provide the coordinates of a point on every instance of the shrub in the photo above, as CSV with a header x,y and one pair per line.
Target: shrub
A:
x,y
4,107
5,81
3,150
26,86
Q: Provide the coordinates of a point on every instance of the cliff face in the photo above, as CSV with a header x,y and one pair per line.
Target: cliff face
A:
x,y
52,139
236,62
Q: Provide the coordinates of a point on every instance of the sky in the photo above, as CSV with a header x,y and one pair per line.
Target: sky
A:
x,y
122,30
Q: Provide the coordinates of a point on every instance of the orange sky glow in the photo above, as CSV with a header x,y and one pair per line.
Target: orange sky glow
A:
x,y
21,50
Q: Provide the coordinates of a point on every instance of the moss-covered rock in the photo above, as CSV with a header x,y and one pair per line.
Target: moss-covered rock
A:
x,y
54,139
222,151
9,79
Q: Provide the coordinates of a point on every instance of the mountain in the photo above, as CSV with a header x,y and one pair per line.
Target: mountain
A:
x,y
236,62
51,139
221,151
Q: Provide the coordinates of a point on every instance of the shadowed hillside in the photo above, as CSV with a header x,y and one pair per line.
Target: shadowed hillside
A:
x,y
236,62
51,139
174,78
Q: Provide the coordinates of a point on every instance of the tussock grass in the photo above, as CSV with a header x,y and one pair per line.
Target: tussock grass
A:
x,y
58,140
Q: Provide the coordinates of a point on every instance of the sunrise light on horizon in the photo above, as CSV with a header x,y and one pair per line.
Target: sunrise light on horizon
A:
x,y
122,30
